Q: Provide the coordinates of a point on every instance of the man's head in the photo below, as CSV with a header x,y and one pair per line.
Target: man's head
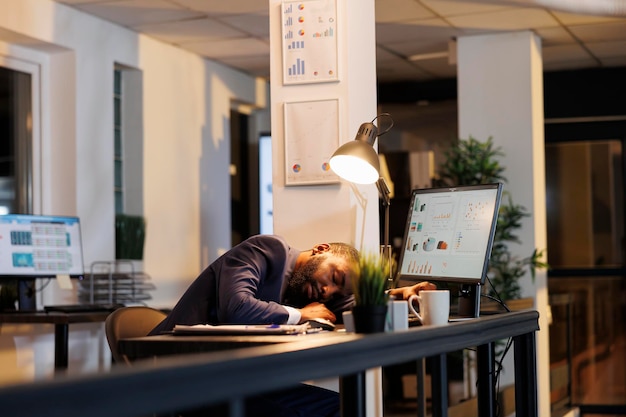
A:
x,y
324,273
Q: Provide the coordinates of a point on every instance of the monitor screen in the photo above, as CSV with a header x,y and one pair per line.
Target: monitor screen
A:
x,y
40,246
449,234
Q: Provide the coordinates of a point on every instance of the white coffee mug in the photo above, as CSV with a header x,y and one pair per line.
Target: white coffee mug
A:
x,y
434,306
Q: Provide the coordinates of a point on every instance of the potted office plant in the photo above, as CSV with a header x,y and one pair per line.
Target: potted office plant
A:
x,y
470,162
370,298
130,234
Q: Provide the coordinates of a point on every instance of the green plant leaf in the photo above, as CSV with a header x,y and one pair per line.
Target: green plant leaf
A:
x,y
471,162
370,281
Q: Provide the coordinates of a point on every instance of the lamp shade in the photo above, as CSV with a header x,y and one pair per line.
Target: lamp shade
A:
x,y
357,161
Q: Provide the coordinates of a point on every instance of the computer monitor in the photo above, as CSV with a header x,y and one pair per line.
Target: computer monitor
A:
x,y
34,246
448,238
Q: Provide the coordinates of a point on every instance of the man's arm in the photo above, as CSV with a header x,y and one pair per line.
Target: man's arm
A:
x,y
316,311
250,282
404,293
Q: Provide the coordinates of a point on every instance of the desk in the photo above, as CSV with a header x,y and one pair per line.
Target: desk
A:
x,y
61,323
197,380
169,344
421,342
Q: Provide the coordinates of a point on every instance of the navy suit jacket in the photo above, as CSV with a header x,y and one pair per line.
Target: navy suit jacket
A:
x,y
243,286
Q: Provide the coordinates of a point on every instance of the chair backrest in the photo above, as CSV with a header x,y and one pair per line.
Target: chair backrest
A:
x,y
129,322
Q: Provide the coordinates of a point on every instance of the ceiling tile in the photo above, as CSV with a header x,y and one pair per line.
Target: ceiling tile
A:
x,y
254,24
562,53
419,47
226,7
422,29
513,19
190,30
79,1
570,64
619,61
582,19
236,33
392,68
138,12
462,7
441,67
229,48
607,49
600,32
554,36
258,65
400,10
383,55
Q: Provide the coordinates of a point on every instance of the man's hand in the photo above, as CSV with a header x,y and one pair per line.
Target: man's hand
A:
x,y
316,310
405,293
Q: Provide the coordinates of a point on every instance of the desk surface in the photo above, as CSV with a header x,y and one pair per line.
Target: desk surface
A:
x,y
169,344
428,339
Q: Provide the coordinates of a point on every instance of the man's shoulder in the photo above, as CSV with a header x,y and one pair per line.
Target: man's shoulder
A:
x,y
266,239
265,243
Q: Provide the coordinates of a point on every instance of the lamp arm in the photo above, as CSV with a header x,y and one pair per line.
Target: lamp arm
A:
x,y
385,249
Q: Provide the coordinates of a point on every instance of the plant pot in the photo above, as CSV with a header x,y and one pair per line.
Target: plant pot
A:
x,y
369,319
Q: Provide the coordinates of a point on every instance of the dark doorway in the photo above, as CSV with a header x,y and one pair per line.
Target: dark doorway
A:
x,y
15,142
244,179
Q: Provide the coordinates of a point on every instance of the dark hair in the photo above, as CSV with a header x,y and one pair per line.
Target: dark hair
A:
x,y
343,249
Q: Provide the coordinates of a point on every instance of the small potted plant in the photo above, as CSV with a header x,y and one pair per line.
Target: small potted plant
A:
x,y
370,297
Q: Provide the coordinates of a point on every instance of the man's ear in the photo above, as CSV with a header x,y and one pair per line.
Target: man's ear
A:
x,y
321,248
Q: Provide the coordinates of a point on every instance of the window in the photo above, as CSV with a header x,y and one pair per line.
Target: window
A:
x,y
587,278
128,163
128,141
118,183
16,130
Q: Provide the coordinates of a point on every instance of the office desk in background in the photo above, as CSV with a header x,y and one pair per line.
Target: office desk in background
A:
x,y
61,323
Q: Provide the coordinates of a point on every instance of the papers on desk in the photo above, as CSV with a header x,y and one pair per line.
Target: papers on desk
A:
x,y
230,329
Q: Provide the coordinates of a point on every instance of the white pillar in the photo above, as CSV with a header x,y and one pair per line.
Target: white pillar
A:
x,y
306,215
311,214
500,95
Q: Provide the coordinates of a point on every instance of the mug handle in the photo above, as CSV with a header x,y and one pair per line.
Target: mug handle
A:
x,y
412,308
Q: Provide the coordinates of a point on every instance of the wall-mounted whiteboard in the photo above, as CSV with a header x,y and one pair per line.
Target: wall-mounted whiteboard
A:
x,y
309,41
311,138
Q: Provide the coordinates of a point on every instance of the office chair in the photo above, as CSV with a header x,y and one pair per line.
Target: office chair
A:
x,y
129,322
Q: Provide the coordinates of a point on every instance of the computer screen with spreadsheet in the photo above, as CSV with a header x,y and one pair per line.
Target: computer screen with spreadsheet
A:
x,y
34,246
448,238
449,233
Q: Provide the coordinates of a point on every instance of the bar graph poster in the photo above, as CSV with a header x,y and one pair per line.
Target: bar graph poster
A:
x,y
309,41
311,137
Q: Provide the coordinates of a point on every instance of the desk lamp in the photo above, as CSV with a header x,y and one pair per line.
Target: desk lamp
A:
x,y
357,162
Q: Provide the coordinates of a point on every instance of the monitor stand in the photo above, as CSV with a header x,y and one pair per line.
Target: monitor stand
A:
x,y
19,295
469,301
26,295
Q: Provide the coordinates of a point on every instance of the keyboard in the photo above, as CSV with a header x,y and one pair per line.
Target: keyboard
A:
x,y
82,308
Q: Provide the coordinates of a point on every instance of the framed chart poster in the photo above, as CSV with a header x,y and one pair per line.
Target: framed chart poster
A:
x,y
311,138
309,41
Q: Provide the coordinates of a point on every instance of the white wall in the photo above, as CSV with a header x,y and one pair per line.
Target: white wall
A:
x,y
186,103
308,214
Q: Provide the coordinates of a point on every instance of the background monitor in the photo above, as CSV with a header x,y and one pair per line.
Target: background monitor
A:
x,y
34,246
448,237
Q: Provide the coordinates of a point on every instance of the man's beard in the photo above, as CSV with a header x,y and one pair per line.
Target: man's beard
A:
x,y
295,295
